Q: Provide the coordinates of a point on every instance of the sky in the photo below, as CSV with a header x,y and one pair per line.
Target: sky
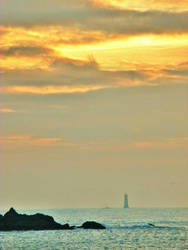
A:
x,y
93,103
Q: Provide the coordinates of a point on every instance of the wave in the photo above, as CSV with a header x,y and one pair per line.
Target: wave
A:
x,y
130,227
149,226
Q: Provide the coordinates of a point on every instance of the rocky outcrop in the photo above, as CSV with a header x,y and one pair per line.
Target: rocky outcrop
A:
x,y
92,225
14,221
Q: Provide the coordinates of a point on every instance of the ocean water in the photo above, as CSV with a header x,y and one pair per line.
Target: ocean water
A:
x,y
126,229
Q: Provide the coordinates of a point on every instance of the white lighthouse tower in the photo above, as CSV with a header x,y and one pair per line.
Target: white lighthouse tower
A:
x,y
126,205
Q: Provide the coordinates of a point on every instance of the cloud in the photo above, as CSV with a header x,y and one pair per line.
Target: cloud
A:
x,y
46,90
144,144
183,65
70,76
181,70
7,110
174,74
173,143
66,75
27,140
40,40
89,17
17,141
43,69
143,4
29,51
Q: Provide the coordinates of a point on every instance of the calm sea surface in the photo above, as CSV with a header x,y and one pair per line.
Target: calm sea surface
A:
x,y
126,229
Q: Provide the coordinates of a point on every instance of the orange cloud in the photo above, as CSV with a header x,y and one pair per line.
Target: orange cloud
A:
x,y
131,146
144,144
20,142
27,140
180,142
6,110
15,138
45,141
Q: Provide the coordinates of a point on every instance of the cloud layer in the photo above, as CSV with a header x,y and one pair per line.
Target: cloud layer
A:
x,y
90,17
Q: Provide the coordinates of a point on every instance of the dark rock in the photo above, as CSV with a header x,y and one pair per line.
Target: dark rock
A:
x,y
14,221
92,225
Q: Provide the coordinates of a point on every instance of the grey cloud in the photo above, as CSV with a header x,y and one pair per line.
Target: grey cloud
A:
x,y
71,72
84,38
24,51
177,72
88,17
75,63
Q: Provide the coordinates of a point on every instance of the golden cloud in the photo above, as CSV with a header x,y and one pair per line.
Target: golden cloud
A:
x,y
46,90
143,4
37,47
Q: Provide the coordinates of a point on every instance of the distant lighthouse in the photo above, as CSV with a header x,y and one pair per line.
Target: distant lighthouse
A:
x,y
126,205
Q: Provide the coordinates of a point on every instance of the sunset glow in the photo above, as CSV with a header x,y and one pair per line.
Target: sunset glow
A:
x,y
95,87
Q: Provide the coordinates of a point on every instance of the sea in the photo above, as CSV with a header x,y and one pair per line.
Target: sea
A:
x,y
126,229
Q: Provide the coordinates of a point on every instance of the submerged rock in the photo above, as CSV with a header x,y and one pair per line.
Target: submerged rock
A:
x,y
14,221
92,225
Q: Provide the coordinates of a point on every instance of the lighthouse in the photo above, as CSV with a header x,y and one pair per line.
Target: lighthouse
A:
x,y
126,205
